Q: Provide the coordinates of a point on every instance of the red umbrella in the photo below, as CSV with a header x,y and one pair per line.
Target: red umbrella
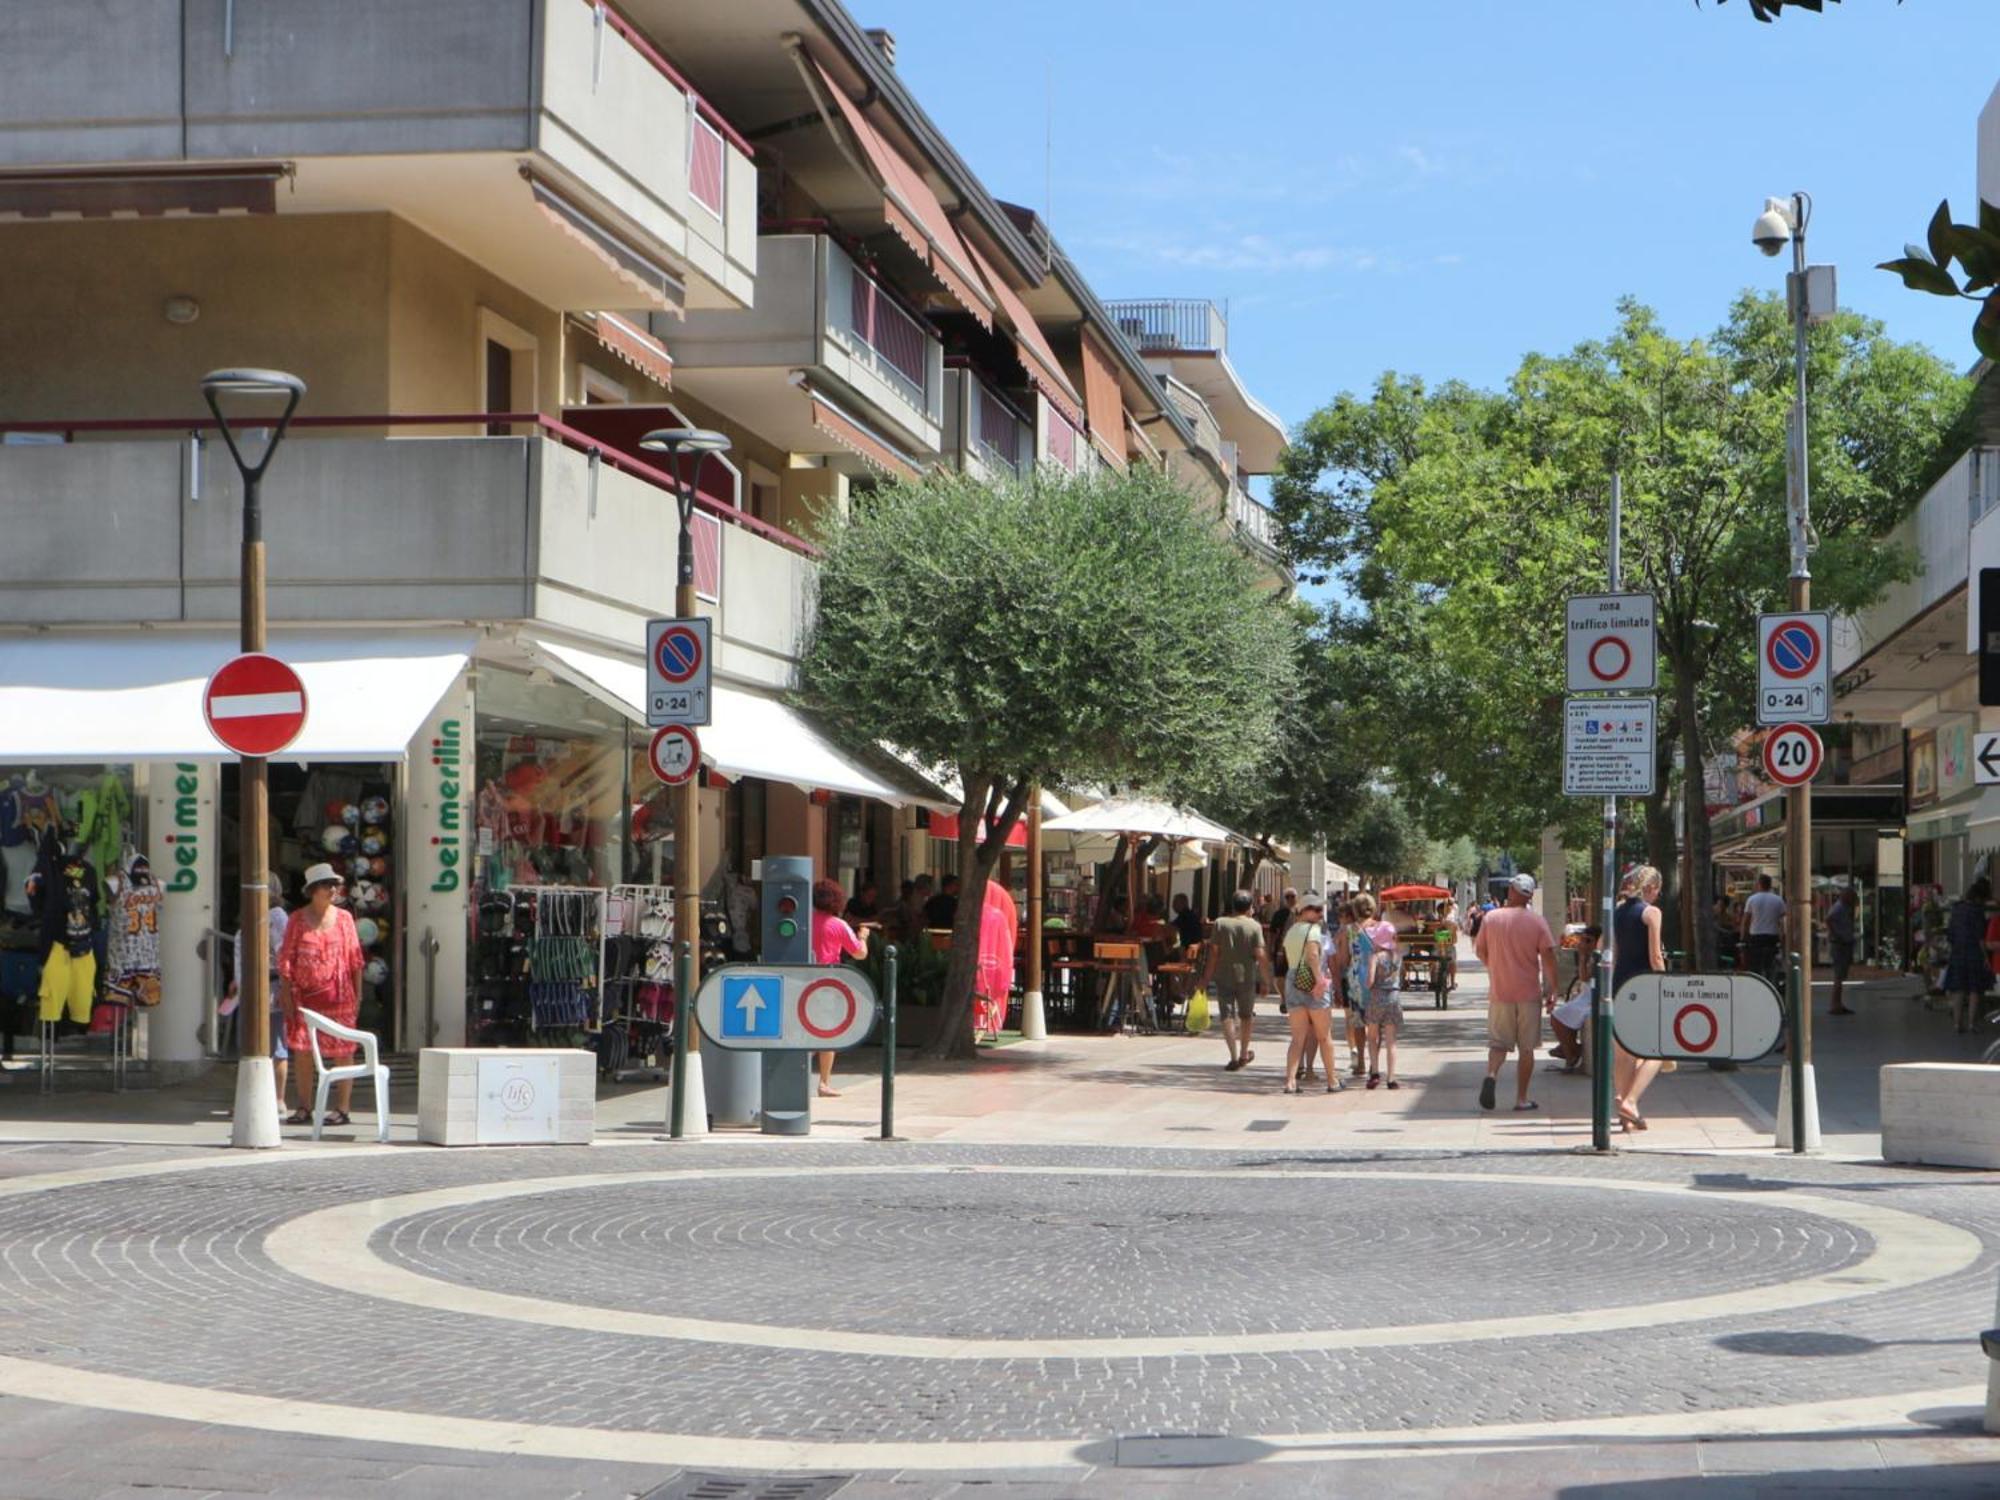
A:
x,y
1415,893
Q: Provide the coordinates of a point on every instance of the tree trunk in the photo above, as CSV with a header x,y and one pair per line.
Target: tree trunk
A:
x,y
987,814
1694,808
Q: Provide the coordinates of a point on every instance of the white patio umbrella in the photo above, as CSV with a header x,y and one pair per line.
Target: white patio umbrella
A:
x,y
1138,818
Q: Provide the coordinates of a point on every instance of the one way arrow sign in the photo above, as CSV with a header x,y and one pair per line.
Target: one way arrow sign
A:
x,y
1986,759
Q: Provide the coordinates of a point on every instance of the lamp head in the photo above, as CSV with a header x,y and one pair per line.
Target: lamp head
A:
x,y
1774,227
675,440
252,383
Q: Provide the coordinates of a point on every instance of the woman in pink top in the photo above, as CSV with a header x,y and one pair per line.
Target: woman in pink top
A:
x,y
832,940
319,968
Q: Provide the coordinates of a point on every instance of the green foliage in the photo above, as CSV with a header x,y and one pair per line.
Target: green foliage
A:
x,y
1976,248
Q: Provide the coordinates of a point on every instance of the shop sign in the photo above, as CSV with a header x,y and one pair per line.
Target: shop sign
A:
x,y
447,754
186,837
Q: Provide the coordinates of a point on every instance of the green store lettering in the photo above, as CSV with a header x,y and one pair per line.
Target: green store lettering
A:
x,y
445,755
187,825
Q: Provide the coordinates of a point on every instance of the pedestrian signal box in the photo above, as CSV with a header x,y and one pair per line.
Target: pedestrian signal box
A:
x,y
787,910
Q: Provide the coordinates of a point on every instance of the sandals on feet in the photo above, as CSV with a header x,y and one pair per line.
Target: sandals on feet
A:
x,y
338,1117
298,1117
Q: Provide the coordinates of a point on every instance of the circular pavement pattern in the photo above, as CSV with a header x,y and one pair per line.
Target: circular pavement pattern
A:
x,y
796,1304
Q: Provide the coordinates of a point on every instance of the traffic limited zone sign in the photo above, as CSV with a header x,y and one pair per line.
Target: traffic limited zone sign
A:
x,y
1698,1017
255,704
1794,674
1609,643
674,754
1792,753
803,1008
677,671
1608,747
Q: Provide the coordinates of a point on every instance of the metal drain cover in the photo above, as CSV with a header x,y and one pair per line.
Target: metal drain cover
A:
x,y
1267,1125
751,1487
1185,1450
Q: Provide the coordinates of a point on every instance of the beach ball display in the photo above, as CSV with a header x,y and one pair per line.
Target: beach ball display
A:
x,y
372,841
376,972
332,837
375,810
378,867
366,932
357,868
350,814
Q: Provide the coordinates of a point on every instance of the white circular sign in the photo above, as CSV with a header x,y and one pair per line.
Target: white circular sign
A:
x,y
1792,754
675,754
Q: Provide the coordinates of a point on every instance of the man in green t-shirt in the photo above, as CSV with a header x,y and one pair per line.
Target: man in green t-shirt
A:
x,y
1233,965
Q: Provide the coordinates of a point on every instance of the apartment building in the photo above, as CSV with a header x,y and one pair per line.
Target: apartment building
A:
x,y
500,240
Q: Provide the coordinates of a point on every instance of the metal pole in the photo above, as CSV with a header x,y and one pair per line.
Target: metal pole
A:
x,y
254,804
1601,1058
687,796
1798,873
889,1046
1034,1014
1794,983
683,1025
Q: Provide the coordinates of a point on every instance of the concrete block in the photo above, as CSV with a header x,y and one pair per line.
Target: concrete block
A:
x,y
449,1104
1941,1114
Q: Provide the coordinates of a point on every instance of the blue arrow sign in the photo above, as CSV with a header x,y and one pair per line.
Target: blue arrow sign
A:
x,y
752,1005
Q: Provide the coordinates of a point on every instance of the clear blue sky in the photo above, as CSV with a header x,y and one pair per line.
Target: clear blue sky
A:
x,y
1439,186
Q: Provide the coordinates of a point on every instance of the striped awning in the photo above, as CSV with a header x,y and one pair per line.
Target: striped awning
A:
x,y
858,439
633,345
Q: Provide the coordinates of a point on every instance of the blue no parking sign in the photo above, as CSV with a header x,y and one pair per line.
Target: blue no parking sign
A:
x,y
1794,670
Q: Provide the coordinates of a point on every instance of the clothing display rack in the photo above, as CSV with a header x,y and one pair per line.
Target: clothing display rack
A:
x,y
639,999
565,959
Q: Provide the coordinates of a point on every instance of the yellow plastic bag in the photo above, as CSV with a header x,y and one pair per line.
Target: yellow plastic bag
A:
x,y
1197,1013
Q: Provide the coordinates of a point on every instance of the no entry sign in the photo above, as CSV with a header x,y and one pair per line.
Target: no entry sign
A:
x,y
255,704
1792,754
1794,669
1694,1017
674,754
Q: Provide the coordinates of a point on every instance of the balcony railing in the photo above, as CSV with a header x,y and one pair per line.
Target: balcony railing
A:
x,y
1163,325
999,435
1254,520
876,330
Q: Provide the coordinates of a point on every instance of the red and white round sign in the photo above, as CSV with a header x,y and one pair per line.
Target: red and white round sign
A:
x,y
1792,754
255,704
827,1008
675,754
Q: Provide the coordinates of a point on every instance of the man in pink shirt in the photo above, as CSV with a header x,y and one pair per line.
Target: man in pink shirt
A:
x,y
1520,959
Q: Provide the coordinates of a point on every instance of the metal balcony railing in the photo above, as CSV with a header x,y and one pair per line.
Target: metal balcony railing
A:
x,y
1253,520
1162,325
997,433
875,328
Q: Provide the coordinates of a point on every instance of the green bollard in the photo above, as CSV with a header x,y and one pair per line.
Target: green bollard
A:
x,y
1796,1061
683,1019
1600,1062
888,1047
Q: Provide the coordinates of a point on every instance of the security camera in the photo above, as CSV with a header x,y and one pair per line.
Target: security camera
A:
x,y
1773,229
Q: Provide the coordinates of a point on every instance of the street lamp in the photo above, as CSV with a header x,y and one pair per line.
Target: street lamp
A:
x,y
673,442
1808,299
255,1120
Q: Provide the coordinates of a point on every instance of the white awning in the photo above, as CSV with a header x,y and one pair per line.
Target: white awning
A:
x,y
753,734
136,695
1143,816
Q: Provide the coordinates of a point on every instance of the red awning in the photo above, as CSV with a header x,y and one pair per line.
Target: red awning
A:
x,y
913,210
857,439
945,826
634,345
1106,405
1037,358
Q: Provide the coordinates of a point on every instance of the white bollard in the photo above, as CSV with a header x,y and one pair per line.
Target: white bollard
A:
x,y
694,1118
1785,1109
1034,1018
254,1123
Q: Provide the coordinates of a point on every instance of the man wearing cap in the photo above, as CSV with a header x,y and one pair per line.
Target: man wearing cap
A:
x,y
1520,959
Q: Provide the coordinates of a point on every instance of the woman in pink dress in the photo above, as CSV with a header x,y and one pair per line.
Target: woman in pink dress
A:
x,y
319,968
999,921
832,940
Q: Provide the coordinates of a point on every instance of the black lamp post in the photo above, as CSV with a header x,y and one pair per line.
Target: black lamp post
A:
x,y
255,1122
673,442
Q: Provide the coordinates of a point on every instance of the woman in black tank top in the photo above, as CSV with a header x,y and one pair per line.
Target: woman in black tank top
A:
x,y
1637,949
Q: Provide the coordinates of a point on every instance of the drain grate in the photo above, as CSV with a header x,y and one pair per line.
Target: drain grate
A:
x,y
1267,1125
751,1487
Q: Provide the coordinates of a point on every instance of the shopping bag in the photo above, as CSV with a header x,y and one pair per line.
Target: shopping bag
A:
x,y
1197,1012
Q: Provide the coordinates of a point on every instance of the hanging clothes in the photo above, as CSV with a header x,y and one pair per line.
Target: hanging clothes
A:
x,y
135,936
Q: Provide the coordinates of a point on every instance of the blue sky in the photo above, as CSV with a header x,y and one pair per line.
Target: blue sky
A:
x,y
1439,186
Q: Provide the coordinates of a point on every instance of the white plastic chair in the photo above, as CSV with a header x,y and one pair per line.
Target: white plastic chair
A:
x,y
370,1068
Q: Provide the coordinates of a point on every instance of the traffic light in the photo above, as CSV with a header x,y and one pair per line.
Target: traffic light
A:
x,y
787,910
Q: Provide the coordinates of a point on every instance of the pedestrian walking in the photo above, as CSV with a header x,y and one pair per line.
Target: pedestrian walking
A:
x,y
1234,962
1762,925
1281,920
319,967
1311,1009
832,940
1376,970
1352,995
1638,948
1968,975
1520,959
1840,947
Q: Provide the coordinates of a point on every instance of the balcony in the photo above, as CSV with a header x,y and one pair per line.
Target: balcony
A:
x,y
541,526
435,112
1186,342
984,434
824,337
1172,324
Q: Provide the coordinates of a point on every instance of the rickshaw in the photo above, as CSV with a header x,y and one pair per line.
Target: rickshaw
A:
x,y
1429,947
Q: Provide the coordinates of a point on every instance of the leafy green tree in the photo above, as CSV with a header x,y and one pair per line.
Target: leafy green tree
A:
x,y
1464,519
1089,629
1976,248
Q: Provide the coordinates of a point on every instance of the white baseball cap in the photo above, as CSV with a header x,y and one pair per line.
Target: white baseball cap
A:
x,y
1524,883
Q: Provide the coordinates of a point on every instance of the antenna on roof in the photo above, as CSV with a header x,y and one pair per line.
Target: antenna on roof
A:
x,y
1048,164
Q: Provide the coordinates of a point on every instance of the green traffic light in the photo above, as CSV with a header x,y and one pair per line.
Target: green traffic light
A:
x,y
788,928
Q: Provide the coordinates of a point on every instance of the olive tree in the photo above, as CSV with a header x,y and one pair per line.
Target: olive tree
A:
x,y
1096,628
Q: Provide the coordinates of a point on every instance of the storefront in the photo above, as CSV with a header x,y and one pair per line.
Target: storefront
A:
x,y
1851,827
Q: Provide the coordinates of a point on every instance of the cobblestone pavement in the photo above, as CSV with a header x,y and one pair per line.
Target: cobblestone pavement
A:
x,y
649,1305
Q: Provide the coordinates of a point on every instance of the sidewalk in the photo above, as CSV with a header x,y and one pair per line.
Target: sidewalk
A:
x,y
1173,1091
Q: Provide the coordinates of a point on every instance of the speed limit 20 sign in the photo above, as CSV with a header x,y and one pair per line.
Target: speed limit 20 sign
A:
x,y
1792,754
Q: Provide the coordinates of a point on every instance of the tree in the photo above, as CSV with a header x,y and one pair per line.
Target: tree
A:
x,y
1976,247
1493,510
1064,629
